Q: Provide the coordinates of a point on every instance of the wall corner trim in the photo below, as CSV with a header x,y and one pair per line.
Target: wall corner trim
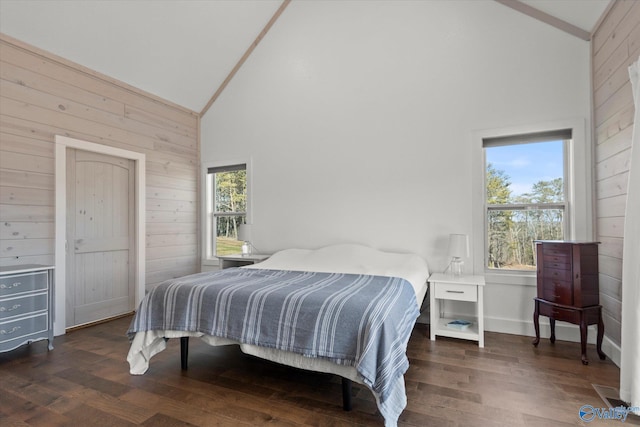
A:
x,y
547,19
246,55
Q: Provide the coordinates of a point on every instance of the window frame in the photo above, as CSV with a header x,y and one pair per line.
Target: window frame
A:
x,y
208,205
578,192
521,139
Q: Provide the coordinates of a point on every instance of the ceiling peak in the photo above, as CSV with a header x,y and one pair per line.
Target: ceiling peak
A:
x,y
547,19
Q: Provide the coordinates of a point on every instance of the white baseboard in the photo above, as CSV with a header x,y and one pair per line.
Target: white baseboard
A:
x,y
564,331
612,350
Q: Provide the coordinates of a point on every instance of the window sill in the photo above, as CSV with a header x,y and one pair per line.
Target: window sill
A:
x,y
213,262
524,278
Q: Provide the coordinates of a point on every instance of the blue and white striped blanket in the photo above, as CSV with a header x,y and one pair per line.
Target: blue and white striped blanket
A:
x,y
355,320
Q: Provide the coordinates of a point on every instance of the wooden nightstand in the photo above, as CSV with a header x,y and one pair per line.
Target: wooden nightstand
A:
x,y
238,260
456,288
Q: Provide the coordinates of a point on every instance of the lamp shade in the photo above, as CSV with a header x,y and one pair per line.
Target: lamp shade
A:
x,y
458,245
244,232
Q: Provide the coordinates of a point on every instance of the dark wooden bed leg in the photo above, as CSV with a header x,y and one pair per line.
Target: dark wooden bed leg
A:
x,y
184,352
346,394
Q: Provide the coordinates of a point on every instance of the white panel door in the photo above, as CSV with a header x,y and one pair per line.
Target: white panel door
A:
x,y
100,237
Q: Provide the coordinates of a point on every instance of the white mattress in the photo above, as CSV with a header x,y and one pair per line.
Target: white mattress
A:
x,y
345,258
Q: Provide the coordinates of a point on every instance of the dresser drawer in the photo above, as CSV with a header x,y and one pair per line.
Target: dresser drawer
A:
x,y
557,274
557,249
562,314
23,326
557,262
558,292
457,292
11,307
557,256
20,283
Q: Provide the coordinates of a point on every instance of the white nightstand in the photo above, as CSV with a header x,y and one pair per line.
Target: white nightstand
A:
x,y
456,288
238,260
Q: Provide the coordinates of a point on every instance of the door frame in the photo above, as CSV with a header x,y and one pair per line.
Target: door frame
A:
x,y
60,291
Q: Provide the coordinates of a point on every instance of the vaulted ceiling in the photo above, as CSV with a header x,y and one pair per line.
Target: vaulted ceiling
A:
x,y
179,50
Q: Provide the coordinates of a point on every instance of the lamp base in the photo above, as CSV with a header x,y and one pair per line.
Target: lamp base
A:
x,y
246,248
457,267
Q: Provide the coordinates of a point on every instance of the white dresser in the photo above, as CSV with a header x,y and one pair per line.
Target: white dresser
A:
x,y
26,305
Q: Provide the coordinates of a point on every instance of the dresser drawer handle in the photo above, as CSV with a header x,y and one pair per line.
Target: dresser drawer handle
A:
x,y
11,286
5,332
15,307
455,292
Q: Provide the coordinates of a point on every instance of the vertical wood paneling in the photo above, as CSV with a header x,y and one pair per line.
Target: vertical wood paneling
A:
x,y
615,46
42,95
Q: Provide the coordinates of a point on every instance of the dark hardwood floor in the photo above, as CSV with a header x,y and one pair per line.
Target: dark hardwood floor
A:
x,y
85,381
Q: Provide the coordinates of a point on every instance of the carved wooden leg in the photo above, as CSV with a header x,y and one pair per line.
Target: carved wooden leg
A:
x,y
346,394
184,352
552,323
536,324
583,337
600,335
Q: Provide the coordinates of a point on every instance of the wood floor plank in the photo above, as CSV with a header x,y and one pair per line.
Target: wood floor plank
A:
x,y
452,383
94,417
161,420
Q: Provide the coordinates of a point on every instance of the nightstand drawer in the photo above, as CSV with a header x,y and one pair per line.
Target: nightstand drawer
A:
x,y
20,283
452,291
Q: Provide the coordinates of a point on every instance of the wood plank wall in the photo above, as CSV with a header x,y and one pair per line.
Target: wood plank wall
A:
x,y
615,46
42,95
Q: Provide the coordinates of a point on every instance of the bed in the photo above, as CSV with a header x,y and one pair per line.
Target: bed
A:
x,y
293,309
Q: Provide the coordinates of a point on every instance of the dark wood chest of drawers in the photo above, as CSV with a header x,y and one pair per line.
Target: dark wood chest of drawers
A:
x,y
567,280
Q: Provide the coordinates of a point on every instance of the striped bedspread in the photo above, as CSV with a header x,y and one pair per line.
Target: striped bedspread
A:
x,y
356,320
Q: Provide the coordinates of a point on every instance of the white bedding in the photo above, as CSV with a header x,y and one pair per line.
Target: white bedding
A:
x,y
344,258
356,259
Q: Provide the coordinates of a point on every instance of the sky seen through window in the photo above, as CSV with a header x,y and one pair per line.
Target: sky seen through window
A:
x,y
526,164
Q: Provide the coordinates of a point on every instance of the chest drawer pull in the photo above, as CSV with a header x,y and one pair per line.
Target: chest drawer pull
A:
x,y
15,307
9,332
455,292
11,286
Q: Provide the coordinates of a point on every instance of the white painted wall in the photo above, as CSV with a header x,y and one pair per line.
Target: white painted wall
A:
x,y
358,118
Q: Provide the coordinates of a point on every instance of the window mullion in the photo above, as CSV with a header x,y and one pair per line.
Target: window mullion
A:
x,y
219,214
526,206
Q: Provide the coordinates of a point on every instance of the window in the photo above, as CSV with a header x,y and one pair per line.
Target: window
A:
x,y
526,191
226,208
577,211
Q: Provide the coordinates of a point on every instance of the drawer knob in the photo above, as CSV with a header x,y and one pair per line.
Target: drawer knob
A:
x,y
9,332
15,307
455,292
11,286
